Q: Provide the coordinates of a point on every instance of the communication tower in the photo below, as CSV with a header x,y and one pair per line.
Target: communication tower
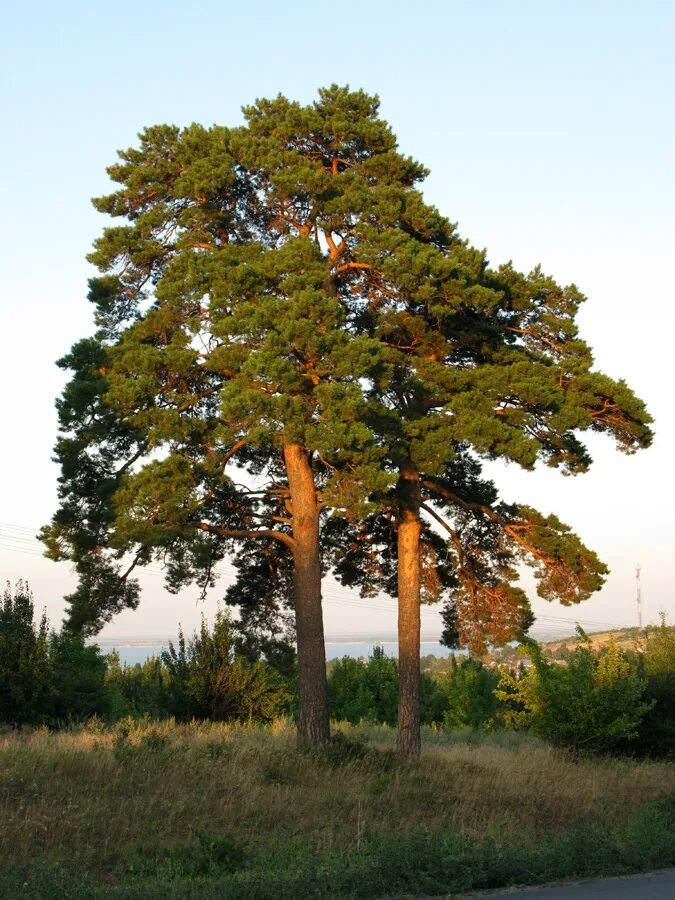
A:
x,y
638,595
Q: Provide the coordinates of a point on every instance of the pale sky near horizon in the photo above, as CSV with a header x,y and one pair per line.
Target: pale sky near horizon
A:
x,y
550,134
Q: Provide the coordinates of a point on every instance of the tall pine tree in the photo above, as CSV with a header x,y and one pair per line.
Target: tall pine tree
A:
x,y
226,343
480,365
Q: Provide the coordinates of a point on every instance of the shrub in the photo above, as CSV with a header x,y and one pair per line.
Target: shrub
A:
x,y
360,690
469,690
367,691
593,704
78,679
138,690
206,679
657,666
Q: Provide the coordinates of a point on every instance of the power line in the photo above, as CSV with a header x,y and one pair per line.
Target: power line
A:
x,y
23,539
15,527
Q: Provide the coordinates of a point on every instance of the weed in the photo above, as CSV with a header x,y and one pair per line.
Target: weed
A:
x,y
342,751
217,749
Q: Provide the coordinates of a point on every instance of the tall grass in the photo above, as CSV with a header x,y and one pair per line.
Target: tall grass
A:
x,y
172,801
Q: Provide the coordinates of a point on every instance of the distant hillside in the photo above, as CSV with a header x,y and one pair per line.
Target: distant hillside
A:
x,y
625,638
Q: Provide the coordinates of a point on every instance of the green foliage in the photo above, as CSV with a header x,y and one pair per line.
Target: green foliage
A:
x,y
25,677
469,690
225,331
367,691
594,703
656,664
608,702
137,690
285,281
206,679
361,690
78,679
58,679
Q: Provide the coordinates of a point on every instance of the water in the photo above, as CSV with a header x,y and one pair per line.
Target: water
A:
x,y
365,648
131,655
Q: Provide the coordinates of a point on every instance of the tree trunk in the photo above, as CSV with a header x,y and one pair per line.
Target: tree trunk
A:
x,y
408,741
313,724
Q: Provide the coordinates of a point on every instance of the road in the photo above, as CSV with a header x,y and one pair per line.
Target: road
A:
x,y
653,886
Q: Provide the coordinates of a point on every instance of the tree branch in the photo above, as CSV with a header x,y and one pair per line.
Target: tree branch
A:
x,y
451,531
197,397
352,265
509,528
246,533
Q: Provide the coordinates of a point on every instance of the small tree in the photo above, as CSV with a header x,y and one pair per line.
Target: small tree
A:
x,y
657,665
367,690
361,690
25,677
78,679
207,680
469,688
136,690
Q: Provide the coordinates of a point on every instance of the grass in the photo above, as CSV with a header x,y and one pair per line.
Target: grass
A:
x,y
212,810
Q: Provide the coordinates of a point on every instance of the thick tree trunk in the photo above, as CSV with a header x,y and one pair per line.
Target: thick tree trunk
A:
x,y
408,741
313,725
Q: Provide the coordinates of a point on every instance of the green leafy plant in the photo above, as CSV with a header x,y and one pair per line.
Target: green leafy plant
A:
x,y
593,703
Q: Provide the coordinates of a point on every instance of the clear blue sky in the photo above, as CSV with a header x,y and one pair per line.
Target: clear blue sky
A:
x,y
550,133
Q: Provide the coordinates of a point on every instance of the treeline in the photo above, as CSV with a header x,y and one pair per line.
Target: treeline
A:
x,y
605,701
56,679
608,701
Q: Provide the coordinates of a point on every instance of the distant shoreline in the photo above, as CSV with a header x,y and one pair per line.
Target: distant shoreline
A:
x,y
119,643
542,635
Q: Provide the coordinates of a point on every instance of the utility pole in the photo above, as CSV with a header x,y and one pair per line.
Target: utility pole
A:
x,y
638,596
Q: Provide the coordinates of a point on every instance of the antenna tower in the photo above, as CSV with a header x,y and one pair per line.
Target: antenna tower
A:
x,y
638,595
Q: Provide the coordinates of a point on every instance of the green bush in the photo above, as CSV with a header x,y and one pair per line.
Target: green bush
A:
x,y
206,679
656,664
367,691
138,690
469,691
594,703
78,679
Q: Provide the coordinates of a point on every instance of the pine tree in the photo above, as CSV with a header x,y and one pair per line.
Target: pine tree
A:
x,y
207,679
477,364
226,345
483,364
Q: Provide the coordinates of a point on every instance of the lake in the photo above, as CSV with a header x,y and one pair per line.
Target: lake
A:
x,y
130,655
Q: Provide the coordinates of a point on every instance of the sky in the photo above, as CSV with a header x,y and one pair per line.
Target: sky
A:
x,y
550,135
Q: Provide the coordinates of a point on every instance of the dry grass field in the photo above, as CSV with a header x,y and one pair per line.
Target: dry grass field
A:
x,y
210,804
